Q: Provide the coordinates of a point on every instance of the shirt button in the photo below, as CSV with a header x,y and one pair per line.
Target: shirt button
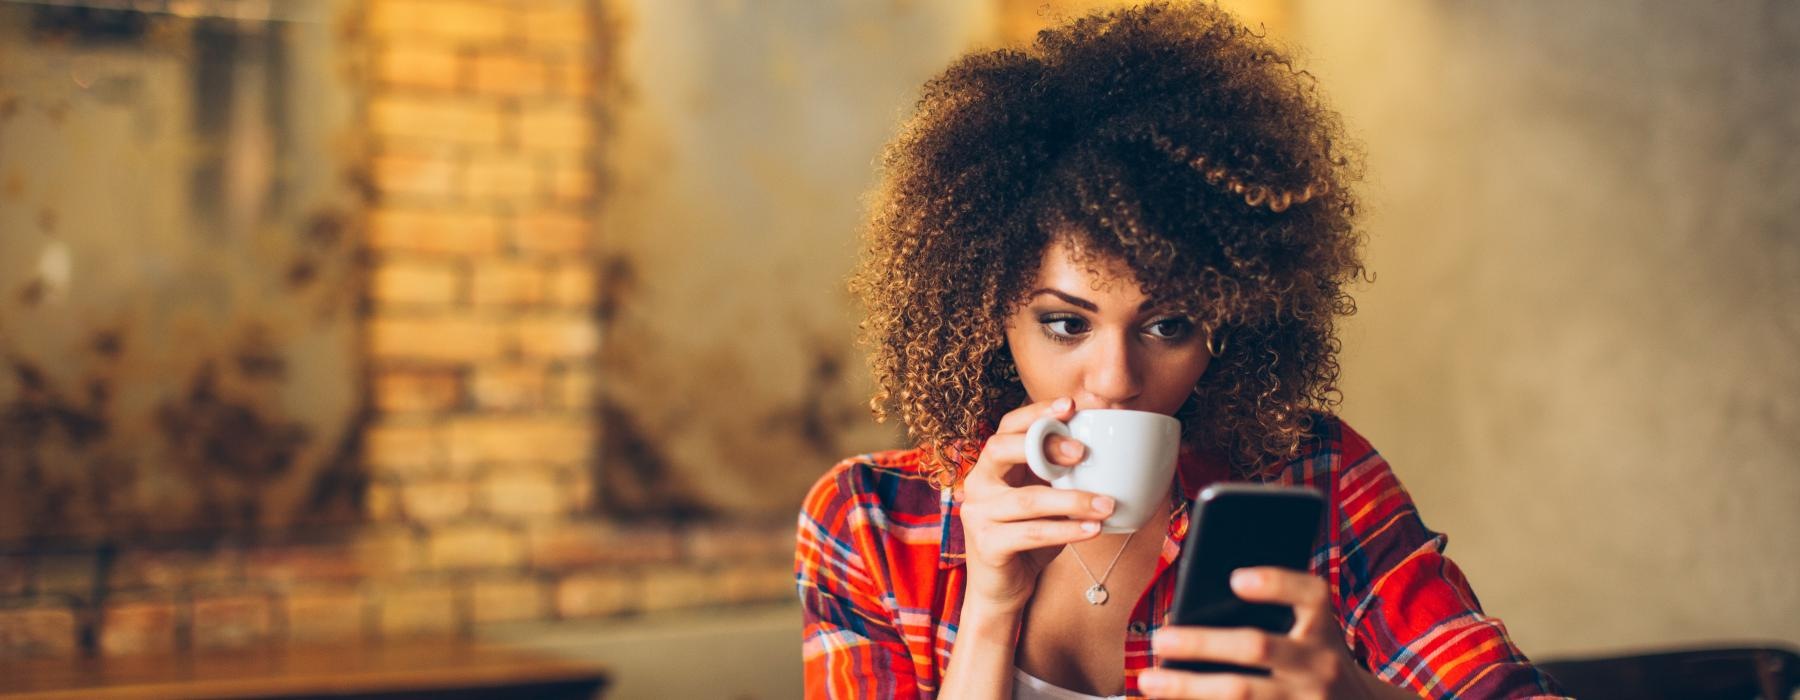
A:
x,y
1138,628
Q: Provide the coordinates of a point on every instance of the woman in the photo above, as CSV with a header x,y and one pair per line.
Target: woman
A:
x,y
1146,210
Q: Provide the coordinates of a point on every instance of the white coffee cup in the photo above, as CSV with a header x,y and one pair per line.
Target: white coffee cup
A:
x,y
1130,457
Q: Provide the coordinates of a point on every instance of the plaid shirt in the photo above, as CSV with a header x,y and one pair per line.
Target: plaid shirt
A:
x,y
879,567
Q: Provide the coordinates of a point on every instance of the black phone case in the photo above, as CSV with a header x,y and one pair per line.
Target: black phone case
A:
x,y
1233,526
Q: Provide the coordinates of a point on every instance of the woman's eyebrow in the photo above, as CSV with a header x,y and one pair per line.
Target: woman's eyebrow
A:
x,y
1070,298
1083,303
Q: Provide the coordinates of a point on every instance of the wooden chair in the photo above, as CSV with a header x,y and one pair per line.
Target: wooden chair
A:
x,y
1769,673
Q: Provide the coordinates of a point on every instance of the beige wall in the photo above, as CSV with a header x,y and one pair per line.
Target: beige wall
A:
x,y
746,136
1020,20
177,296
1580,348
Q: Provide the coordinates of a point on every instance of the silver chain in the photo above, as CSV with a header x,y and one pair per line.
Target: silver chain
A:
x,y
1097,594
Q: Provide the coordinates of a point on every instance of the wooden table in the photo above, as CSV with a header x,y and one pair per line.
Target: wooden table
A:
x,y
458,670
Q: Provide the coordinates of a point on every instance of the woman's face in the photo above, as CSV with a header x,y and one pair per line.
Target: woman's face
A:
x,y
1094,337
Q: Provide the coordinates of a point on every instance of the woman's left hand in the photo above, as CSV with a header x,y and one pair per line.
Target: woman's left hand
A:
x,y
1307,662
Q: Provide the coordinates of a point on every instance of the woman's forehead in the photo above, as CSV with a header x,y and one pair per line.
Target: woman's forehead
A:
x,y
1073,270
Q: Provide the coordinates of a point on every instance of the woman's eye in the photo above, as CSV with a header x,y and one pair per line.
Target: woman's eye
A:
x,y
1064,326
1171,329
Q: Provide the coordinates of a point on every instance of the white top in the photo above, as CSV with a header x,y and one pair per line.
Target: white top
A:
x,y
1029,687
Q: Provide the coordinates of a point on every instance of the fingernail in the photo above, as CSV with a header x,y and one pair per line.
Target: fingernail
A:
x,y
1063,404
1150,682
1244,578
1090,526
1103,505
1070,449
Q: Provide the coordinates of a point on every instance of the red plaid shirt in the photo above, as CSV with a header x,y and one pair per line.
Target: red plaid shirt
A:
x,y
879,567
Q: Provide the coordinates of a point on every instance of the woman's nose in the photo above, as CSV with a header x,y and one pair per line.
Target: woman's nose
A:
x,y
1113,377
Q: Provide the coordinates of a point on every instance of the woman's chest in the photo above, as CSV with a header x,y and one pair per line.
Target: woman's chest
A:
x,y
1074,642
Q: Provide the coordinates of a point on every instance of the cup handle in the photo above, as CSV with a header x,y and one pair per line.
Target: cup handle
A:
x,y
1034,448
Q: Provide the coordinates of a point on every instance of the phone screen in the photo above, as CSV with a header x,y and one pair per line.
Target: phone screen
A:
x,y
1233,526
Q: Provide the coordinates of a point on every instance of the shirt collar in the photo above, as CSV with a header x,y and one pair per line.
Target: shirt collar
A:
x,y
1193,471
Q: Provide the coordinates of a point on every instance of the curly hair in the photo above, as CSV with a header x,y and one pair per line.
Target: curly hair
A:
x,y
1166,136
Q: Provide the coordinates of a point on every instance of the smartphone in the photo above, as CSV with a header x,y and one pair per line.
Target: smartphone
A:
x,y
1232,526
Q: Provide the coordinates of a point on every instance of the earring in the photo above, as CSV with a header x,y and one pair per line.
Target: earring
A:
x,y
1215,342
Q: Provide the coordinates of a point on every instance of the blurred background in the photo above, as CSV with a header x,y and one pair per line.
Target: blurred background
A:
x,y
351,322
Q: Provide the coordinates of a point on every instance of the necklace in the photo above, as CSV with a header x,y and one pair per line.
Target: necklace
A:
x,y
1096,594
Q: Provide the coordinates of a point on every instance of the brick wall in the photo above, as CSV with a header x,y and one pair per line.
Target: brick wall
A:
x,y
482,123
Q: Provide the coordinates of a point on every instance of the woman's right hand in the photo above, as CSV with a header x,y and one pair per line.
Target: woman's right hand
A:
x,y
1013,523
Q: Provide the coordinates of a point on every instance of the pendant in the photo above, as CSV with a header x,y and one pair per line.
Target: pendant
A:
x,y
1096,595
